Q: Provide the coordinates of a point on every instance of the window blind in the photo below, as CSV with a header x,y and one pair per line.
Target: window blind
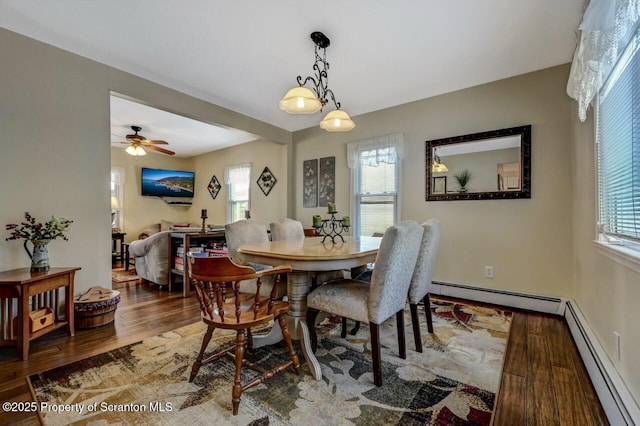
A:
x,y
618,137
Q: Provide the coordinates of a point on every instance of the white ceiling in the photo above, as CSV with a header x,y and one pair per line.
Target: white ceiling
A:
x,y
245,54
186,137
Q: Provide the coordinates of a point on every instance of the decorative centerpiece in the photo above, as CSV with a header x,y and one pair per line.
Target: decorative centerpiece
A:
x,y
331,228
39,234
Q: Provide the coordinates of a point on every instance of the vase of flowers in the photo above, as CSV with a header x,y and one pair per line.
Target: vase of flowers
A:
x,y
40,235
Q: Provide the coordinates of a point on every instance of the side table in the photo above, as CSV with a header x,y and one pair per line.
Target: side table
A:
x,y
34,290
128,261
117,246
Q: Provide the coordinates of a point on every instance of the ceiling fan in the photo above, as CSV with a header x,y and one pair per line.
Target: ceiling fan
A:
x,y
137,142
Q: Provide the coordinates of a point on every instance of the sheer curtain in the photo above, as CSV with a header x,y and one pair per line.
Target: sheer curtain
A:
x,y
380,143
604,31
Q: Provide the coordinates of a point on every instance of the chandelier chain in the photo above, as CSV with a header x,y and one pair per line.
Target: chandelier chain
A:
x,y
321,80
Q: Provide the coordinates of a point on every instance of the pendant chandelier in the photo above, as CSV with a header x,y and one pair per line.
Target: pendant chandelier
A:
x,y
302,100
437,166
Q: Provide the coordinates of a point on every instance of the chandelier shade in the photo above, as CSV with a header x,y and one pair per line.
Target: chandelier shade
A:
x,y
439,168
337,121
302,100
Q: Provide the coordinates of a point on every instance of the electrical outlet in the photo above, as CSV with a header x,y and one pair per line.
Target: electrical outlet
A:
x,y
488,271
616,345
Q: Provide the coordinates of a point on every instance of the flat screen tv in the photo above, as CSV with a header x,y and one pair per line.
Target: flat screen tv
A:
x,y
167,183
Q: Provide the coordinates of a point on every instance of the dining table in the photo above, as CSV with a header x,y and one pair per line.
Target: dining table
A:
x,y
307,257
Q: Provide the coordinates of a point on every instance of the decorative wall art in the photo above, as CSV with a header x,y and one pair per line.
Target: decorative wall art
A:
x,y
327,181
266,181
214,187
310,183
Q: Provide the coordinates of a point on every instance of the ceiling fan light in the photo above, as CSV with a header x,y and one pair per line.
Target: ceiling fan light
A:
x,y
300,100
135,150
337,121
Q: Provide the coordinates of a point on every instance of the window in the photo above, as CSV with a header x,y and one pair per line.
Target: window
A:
x,y
618,144
375,166
117,198
238,178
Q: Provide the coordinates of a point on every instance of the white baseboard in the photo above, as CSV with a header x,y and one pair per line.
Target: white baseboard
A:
x,y
529,302
616,400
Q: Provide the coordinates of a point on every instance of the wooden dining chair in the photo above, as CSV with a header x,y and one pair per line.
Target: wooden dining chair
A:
x,y
422,276
374,302
223,304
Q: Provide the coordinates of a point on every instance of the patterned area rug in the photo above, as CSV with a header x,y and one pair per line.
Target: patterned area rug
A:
x,y
454,381
120,275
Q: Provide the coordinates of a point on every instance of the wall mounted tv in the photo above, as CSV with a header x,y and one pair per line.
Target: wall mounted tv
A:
x,y
167,183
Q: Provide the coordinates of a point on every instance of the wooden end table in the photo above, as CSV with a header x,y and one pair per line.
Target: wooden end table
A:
x,y
33,291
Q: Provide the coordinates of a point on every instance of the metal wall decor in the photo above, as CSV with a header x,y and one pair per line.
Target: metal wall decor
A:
x,y
310,183
327,182
214,187
266,181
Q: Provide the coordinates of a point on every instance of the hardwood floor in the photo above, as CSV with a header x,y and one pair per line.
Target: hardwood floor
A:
x,y
544,381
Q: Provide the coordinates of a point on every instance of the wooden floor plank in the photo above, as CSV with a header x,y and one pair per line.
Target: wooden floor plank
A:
x,y
510,409
516,355
571,407
541,398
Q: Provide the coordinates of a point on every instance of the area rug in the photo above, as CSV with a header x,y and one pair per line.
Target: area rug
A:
x,y
120,275
454,381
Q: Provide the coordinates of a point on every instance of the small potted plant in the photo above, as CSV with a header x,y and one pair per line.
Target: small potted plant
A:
x,y
463,179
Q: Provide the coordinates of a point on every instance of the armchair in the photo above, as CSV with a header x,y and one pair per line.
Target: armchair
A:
x,y
152,257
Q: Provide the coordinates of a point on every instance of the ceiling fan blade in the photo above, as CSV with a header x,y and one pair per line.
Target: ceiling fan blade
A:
x,y
157,148
147,141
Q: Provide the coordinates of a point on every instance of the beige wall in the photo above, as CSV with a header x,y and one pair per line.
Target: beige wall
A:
x,y
529,242
261,154
606,291
56,155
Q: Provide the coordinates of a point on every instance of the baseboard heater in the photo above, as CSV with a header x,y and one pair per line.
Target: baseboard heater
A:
x,y
616,400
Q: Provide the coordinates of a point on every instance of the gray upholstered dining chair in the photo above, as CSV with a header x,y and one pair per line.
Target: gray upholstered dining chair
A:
x,y
290,229
286,229
250,232
422,276
374,302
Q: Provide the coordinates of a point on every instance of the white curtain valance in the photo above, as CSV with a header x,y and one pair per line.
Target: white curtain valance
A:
x,y
395,140
604,32
237,174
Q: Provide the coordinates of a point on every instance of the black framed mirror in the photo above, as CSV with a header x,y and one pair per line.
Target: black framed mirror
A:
x,y
480,166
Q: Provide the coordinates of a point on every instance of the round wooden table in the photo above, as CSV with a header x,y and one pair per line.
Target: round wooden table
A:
x,y
306,256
